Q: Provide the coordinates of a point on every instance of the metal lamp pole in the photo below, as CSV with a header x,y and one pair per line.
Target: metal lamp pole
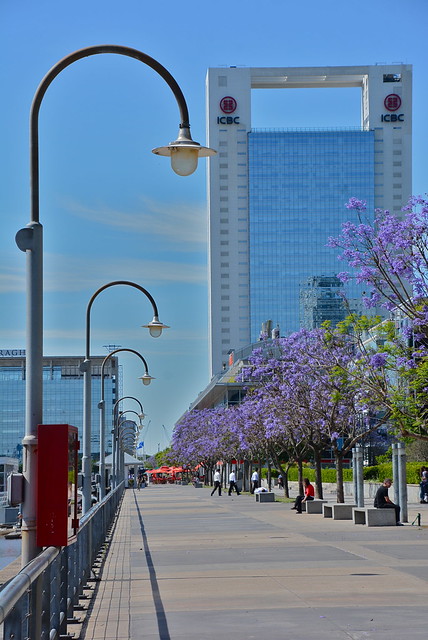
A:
x,y
146,378
184,153
141,416
87,382
126,435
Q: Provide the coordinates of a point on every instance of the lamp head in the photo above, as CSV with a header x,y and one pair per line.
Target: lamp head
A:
x,y
155,327
184,152
146,379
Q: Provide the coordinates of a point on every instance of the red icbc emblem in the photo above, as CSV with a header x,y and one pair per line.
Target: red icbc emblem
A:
x,y
392,102
229,104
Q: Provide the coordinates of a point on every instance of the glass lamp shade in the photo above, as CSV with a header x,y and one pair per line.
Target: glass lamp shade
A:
x,y
146,379
155,327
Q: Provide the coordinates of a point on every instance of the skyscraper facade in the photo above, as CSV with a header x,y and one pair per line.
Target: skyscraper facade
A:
x,y
275,196
62,397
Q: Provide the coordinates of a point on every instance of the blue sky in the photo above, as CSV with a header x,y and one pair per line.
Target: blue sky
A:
x,y
111,209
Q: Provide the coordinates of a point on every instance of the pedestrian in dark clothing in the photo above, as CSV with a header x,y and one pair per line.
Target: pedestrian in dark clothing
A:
x,y
382,500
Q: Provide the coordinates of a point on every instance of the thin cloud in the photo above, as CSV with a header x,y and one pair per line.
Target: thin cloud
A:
x,y
71,273
182,224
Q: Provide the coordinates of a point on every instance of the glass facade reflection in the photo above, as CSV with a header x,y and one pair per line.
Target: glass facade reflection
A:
x,y
299,182
62,398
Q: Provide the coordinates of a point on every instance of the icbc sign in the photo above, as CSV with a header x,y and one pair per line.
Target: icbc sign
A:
x,y
392,103
228,105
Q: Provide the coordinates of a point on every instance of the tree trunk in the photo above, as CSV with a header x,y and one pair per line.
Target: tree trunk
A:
x,y
278,467
269,474
300,475
339,476
318,474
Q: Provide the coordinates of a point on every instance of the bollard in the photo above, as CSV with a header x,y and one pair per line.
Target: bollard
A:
x,y
395,475
402,485
354,475
360,477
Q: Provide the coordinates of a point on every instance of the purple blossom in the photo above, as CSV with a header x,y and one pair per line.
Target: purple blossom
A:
x,y
378,360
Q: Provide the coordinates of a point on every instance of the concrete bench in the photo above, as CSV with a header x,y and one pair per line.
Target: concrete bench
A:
x,y
265,496
338,511
373,517
197,485
313,506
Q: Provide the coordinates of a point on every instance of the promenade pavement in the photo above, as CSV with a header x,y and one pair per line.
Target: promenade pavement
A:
x,y
183,564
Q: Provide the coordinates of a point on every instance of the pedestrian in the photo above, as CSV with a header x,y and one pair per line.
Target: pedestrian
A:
x,y
217,482
232,483
140,479
309,494
280,482
423,486
254,480
382,500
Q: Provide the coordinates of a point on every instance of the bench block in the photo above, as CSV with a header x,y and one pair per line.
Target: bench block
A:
x,y
373,517
338,511
265,496
314,506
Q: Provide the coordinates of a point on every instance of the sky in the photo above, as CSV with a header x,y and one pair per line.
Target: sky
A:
x,y
111,210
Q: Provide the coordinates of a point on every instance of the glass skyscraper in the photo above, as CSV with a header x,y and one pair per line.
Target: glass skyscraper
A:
x,y
275,196
62,398
299,182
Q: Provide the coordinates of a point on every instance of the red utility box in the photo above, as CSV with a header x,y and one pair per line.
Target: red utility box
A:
x,y
57,498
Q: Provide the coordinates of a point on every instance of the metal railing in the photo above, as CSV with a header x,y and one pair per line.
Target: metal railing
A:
x,y
40,600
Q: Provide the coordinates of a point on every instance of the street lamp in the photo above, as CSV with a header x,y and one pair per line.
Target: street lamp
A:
x,y
127,435
116,450
87,382
30,240
116,419
101,405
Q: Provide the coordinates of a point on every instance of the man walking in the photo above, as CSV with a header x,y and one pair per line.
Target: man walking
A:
x,y
254,480
382,500
217,482
232,483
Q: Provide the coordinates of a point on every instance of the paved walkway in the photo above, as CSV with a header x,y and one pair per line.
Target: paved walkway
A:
x,y
184,565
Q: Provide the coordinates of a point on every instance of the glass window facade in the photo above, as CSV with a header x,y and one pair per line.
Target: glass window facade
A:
x,y
62,401
299,182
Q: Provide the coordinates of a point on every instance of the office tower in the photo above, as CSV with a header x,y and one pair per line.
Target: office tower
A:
x,y
275,196
62,397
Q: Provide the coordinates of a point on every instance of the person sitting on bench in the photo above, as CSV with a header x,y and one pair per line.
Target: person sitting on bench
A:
x,y
309,495
382,500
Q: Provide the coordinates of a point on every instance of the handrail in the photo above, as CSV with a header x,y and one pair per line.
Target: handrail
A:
x,y
62,572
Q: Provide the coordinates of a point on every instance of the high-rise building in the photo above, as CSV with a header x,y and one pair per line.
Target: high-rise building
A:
x,y
321,300
275,196
62,397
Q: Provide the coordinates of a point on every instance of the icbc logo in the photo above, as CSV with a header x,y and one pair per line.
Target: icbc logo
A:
x,y
392,102
228,104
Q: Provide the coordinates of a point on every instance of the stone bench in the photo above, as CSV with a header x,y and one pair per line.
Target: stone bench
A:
x,y
313,506
373,517
338,511
265,496
197,485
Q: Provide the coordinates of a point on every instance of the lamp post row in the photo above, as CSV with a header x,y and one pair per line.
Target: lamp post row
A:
x,y
184,153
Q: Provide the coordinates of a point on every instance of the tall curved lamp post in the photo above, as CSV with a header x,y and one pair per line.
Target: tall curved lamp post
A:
x,y
146,379
184,153
155,327
116,418
127,434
